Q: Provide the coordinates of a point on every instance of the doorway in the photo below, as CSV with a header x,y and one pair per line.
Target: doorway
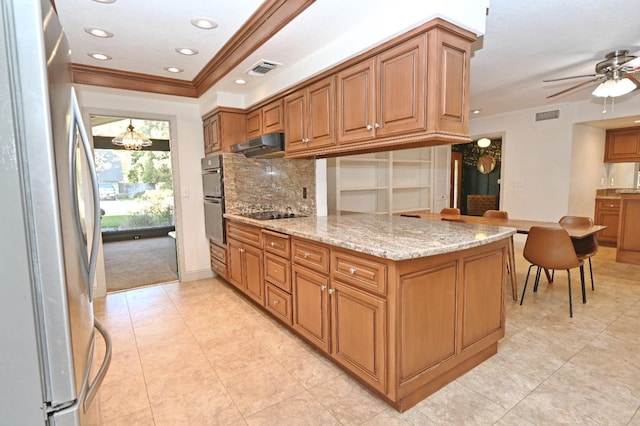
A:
x,y
137,203
475,173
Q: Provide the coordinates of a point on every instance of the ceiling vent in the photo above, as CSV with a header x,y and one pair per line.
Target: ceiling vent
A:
x,y
548,115
262,67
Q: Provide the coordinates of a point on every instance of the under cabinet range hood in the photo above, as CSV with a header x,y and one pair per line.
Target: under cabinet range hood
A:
x,y
266,146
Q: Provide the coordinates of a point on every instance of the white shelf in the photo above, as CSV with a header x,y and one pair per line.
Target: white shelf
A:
x,y
383,182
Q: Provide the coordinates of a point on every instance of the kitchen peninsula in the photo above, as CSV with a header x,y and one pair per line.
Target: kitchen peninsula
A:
x,y
403,305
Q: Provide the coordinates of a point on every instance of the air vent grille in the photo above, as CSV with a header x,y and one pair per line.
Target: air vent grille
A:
x,y
262,67
548,115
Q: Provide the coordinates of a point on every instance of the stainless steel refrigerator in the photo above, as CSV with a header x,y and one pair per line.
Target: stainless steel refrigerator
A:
x,y
49,219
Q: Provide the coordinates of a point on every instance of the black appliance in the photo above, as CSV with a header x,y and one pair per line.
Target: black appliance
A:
x,y
213,191
270,215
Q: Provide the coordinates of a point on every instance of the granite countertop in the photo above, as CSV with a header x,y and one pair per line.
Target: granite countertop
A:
x,y
628,191
388,237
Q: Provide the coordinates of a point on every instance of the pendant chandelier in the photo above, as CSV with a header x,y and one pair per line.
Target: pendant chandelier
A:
x,y
131,139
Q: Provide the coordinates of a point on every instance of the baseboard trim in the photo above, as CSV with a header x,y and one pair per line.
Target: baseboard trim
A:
x,y
200,274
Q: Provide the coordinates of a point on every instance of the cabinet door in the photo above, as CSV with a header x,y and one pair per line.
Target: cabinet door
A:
x,y
254,285
214,133
294,110
607,214
254,124
310,311
400,91
355,102
234,263
622,145
320,113
273,117
358,333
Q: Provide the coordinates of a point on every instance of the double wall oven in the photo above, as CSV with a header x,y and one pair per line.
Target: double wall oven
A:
x,y
213,189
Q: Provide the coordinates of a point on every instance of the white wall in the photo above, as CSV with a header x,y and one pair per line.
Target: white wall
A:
x,y
186,151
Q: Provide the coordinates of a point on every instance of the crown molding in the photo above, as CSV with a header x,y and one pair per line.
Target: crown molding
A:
x,y
265,22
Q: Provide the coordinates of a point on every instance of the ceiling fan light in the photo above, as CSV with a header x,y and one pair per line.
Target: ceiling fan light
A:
x,y
614,87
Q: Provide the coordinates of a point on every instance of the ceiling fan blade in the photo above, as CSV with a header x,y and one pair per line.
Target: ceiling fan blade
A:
x,y
584,83
635,81
568,78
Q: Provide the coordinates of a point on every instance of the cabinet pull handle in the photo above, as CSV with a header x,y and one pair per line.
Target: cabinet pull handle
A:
x,y
306,255
352,270
331,291
240,250
369,127
376,126
275,302
323,287
273,244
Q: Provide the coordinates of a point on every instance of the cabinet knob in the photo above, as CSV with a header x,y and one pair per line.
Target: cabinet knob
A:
x,y
275,302
323,287
331,291
240,250
369,127
305,255
273,244
352,270
376,126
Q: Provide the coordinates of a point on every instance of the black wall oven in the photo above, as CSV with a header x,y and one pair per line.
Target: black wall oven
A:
x,y
213,190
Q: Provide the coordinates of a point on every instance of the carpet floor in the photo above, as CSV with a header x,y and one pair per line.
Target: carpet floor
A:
x,y
136,263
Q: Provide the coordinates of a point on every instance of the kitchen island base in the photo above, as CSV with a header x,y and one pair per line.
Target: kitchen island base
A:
x,y
404,328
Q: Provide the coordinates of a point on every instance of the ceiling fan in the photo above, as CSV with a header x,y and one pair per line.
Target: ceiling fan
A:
x,y
616,73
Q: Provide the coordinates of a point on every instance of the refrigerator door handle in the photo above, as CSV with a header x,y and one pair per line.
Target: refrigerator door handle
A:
x,y
102,372
78,124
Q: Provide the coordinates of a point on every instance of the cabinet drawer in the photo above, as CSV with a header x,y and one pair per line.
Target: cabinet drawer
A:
x,y
218,252
219,268
279,303
312,256
359,271
608,204
277,271
277,243
245,233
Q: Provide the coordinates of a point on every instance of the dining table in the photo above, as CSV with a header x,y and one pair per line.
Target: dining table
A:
x,y
522,226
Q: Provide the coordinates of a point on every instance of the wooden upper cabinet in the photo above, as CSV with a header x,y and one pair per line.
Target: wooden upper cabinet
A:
x,y
310,116
622,145
268,119
222,128
384,96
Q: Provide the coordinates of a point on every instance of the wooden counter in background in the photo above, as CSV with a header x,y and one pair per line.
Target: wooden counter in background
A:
x,y
628,250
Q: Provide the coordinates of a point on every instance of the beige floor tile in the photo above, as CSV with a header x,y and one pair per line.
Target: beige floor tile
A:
x,y
301,409
237,357
141,417
262,387
123,391
348,401
309,368
111,305
390,417
456,404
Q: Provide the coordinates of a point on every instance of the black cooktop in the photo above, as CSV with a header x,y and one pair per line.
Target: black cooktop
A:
x,y
270,215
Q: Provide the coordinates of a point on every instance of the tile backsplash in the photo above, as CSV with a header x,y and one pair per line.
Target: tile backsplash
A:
x,y
272,184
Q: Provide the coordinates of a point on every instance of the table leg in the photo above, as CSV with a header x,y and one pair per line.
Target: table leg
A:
x,y
511,264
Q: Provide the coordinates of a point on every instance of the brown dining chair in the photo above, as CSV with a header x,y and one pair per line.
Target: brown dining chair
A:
x,y
501,214
551,248
585,247
450,210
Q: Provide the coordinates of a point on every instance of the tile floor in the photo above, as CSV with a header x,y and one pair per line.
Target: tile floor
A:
x,y
197,353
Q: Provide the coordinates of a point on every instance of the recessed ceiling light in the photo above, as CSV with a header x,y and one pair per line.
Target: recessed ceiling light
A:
x,y
99,56
186,51
204,23
98,32
637,121
476,111
174,70
105,1
240,81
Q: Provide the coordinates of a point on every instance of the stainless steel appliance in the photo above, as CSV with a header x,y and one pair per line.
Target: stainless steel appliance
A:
x,y
50,218
265,146
213,190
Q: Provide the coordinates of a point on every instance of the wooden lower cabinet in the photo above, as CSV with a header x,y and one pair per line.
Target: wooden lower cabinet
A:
x,y
403,328
245,263
358,333
310,305
608,214
628,249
